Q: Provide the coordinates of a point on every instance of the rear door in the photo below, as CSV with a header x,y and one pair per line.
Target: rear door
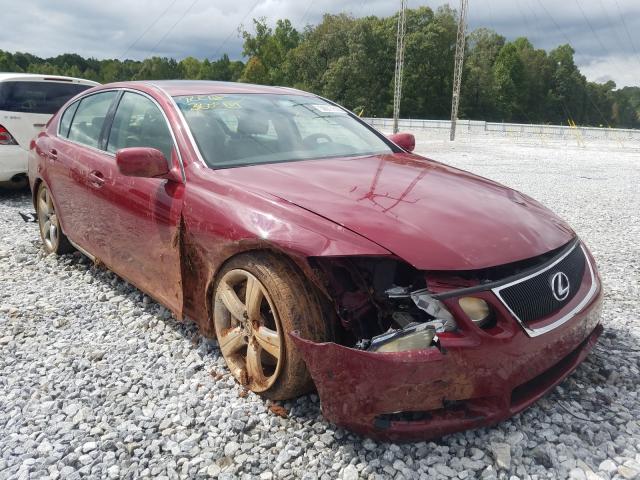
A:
x,y
26,105
72,156
139,218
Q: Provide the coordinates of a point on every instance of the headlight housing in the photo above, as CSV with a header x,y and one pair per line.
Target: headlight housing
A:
x,y
418,336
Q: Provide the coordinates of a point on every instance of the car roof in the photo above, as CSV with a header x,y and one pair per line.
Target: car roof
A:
x,y
206,87
16,76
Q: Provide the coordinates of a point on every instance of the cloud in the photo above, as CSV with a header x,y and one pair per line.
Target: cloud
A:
x,y
623,70
602,32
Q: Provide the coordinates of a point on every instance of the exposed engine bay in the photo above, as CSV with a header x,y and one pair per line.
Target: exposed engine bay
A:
x,y
386,305
383,304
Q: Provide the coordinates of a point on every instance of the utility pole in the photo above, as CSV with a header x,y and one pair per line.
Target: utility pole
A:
x,y
397,87
457,69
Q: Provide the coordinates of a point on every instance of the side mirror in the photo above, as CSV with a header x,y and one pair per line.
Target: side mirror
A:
x,y
142,162
406,141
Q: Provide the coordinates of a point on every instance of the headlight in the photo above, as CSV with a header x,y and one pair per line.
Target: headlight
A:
x,y
414,337
476,309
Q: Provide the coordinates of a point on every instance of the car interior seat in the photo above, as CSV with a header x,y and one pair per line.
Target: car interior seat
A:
x,y
247,143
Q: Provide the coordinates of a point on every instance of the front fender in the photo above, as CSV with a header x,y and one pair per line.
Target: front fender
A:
x,y
221,221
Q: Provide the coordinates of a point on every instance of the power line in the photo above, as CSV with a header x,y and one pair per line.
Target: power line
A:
x,y
593,30
153,50
457,69
537,21
492,20
603,118
524,15
554,22
362,3
626,29
215,55
397,90
595,34
611,25
306,13
151,25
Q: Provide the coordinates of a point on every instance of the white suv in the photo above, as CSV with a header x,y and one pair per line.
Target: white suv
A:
x,y
27,102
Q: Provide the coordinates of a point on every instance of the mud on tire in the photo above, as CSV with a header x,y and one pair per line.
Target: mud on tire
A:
x,y
289,303
53,238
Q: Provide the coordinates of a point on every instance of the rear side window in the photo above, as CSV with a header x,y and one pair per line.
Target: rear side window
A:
x,y
37,97
65,121
138,122
87,122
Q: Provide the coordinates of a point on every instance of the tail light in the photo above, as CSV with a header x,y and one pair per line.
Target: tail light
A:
x,y
6,138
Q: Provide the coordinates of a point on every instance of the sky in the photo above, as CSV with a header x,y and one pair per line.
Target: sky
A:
x,y
604,33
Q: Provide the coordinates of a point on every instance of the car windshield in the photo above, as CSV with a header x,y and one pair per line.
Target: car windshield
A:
x,y
248,129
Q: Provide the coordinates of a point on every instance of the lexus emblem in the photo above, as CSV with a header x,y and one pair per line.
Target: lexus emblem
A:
x,y
560,286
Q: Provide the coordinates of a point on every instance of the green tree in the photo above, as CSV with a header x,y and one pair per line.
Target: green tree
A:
x,y
351,60
363,68
7,63
626,107
478,85
510,83
428,78
157,68
190,68
269,48
319,48
568,87
255,72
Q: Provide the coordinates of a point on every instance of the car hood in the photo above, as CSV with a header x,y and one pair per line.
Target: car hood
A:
x,y
431,215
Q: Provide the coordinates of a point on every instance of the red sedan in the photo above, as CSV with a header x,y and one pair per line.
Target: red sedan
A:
x,y
418,299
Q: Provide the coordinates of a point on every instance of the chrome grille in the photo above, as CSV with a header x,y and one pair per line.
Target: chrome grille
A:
x,y
532,298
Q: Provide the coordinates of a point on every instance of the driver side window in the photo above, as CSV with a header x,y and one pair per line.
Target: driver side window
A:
x,y
138,122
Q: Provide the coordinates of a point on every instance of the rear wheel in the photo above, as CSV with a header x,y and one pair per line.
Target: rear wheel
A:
x,y
53,239
258,299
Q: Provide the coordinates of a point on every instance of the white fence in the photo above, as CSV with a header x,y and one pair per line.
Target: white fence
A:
x,y
541,132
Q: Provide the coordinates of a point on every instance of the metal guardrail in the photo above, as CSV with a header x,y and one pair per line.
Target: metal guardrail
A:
x,y
471,127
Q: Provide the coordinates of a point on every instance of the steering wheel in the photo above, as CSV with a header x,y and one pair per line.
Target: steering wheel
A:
x,y
313,139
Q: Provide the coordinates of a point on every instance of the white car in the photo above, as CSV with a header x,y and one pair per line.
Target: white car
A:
x,y
27,102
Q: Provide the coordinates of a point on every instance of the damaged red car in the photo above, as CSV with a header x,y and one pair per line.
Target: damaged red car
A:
x,y
418,299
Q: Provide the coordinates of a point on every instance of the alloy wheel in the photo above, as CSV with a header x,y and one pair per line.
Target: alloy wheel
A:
x,y
48,220
248,330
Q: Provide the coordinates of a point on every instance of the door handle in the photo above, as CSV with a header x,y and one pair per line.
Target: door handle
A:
x,y
53,154
96,178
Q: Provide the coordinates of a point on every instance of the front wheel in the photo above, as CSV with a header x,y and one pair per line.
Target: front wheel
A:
x,y
53,239
258,299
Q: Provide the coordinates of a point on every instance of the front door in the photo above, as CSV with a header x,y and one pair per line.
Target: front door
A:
x,y
139,218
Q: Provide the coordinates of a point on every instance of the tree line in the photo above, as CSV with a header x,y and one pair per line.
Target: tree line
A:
x,y
351,61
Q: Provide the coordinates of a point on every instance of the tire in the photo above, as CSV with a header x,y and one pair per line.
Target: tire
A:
x,y
258,299
52,236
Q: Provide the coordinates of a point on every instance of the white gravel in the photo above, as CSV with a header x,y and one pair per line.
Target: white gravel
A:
x,y
98,381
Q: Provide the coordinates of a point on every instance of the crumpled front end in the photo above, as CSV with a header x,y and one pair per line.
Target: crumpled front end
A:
x,y
468,378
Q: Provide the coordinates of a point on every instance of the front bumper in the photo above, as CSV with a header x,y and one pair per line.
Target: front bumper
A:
x,y
477,378
13,161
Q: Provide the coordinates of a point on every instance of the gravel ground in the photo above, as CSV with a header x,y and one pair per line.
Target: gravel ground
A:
x,y
99,381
